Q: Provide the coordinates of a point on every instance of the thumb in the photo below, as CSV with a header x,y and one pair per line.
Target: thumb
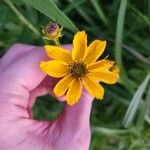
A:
x,y
79,114
74,123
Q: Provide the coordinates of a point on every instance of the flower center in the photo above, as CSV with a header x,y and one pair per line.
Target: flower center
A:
x,y
77,70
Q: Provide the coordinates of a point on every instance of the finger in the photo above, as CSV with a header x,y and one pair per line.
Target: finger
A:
x,y
74,124
67,47
14,52
19,50
26,69
22,76
78,114
18,78
46,87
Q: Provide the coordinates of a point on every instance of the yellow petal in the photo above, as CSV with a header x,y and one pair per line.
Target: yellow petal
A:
x,y
79,45
107,77
74,92
93,87
58,53
55,68
101,65
62,86
115,69
94,51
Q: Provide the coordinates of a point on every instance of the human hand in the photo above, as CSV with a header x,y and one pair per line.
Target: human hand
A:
x,y
21,81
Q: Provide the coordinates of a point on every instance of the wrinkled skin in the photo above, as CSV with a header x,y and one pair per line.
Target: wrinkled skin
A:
x,y
21,82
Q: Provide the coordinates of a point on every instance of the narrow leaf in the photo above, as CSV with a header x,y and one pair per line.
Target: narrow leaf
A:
x,y
143,111
49,8
99,11
119,30
133,107
118,44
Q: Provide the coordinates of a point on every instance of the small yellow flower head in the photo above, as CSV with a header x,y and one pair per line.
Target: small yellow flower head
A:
x,y
79,67
52,31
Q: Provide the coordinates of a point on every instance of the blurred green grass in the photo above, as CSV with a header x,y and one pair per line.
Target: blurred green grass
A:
x,y
127,37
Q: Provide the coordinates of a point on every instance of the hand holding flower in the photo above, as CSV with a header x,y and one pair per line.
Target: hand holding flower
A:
x,y
21,81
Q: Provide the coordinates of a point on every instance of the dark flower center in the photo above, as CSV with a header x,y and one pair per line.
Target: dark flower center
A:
x,y
77,70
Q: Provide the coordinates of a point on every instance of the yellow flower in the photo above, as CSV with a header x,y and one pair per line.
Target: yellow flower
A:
x,y
79,67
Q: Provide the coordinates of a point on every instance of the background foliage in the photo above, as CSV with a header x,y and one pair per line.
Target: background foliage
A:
x,y
122,120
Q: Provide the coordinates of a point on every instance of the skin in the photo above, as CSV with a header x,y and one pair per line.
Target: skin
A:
x,y
21,82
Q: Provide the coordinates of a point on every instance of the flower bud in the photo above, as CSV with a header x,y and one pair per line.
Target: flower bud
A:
x,y
52,31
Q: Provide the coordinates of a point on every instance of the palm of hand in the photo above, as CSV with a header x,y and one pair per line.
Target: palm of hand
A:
x,y
21,82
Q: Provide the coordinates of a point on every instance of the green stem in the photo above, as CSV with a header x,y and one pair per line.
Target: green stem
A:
x,y
118,132
22,18
57,42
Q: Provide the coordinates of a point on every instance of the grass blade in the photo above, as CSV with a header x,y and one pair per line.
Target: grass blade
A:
x,y
142,16
71,6
133,107
22,18
49,8
119,31
143,111
99,11
118,45
82,12
134,52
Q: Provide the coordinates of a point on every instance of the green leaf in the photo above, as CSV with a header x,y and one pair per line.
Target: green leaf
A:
x,y
21,17
143,111
133,107
138,55
118,45
119,31
99,11
81,11
49,8
142,16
